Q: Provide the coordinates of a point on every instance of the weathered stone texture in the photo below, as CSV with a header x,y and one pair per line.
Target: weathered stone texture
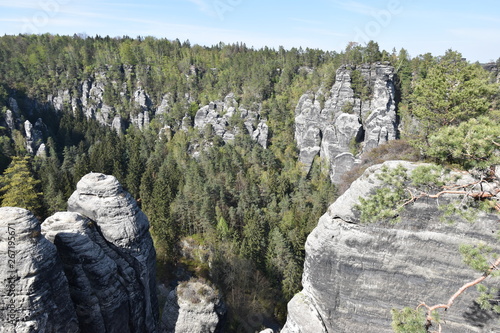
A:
x,y
354,274
34,293
338,122
193,307
88,270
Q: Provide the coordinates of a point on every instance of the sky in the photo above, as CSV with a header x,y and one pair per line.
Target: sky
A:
x,y
419,26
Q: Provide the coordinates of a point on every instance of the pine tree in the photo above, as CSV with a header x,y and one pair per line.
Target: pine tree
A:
x,y
453,91
20,188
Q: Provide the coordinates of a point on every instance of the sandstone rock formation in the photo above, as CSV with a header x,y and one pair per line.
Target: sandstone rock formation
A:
x,y
354,274
193,307
218,114
125,229
97,276
34,135
34,293
341,124
221,115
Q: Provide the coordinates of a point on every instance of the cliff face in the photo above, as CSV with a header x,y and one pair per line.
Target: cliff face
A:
x,y
343,123
354,274
225,118
34,293
92,268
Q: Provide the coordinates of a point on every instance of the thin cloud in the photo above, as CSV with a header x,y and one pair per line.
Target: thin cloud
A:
x,y
484,34
310,22
20,5
323,32
204,6
355,7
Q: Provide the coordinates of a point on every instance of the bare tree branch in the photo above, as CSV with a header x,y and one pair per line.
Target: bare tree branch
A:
x,y
452,299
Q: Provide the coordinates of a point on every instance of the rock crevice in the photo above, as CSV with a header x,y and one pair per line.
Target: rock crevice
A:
x,y
342,123
92,268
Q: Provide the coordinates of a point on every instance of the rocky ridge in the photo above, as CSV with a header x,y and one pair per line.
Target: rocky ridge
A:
x,y
354,274
341,124
91,269
221,116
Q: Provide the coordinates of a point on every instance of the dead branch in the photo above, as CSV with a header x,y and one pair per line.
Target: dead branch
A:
x,y
480,195
452,299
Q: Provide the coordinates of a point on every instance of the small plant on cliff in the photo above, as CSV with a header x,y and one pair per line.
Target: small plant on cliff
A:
x,y
360,87
388,199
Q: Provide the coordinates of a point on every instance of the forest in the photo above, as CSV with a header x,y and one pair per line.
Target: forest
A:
x,y
246,207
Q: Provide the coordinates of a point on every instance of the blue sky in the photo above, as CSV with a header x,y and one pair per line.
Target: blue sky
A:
x,y
419,26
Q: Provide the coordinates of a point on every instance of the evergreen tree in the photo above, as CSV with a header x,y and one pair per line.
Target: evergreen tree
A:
x,y
452,91
20,188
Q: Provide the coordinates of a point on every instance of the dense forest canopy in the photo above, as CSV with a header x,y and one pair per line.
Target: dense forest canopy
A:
x,y
249,207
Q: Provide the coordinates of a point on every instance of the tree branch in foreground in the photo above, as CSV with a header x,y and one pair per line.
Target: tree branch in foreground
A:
x,y
431,309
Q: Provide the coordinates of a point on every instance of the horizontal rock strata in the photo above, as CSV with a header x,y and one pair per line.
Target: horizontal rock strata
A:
x,y
354,274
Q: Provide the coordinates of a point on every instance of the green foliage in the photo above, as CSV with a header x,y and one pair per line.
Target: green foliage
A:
x,y
408,320
348,108
451,92
472,144
488,299
253,207
427,176
19,187
478,257
387,201
360,87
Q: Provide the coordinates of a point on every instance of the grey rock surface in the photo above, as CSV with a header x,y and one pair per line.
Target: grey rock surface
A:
x,y
94,277
193,307
14,106
10,120
220,115
354,274
125,229
34,293
89,270
338,122
34,135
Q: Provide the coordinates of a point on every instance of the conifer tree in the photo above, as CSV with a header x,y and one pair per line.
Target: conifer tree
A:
x,y
20,188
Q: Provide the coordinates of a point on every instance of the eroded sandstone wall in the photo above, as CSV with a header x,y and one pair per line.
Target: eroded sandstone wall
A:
x,y
354,273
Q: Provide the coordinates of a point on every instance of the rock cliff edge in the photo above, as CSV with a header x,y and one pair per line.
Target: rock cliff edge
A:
x,y
354,273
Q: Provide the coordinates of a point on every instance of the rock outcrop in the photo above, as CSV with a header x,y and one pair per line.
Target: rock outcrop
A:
x,y
223,117
34,294
88,270
125,229
192,307
342,123
354,274
34,135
